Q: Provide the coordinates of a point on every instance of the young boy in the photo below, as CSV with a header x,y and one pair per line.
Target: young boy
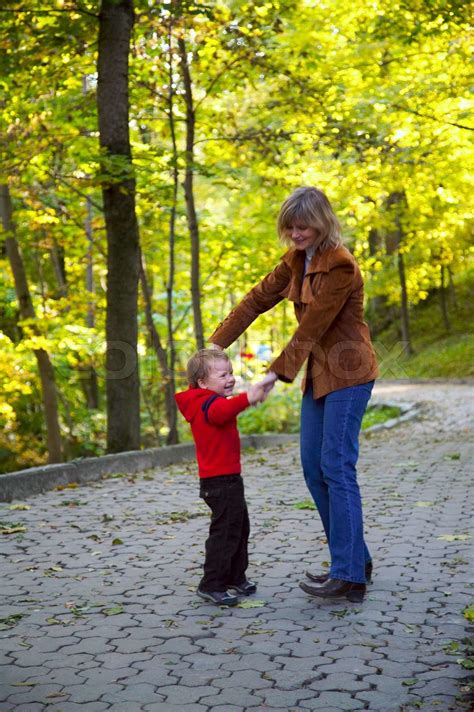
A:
x,y
213,418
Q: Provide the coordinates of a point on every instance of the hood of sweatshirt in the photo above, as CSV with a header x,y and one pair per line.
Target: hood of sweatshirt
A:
x,y
191,400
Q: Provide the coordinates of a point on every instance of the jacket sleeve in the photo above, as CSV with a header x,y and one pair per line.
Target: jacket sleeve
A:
x,y
221,410
261,298
335,289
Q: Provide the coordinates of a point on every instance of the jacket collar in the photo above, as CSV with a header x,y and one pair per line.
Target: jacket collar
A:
x,y
295,260
299,290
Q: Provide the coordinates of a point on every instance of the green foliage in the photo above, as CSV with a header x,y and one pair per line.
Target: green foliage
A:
x,y
362,101
438,354
280,413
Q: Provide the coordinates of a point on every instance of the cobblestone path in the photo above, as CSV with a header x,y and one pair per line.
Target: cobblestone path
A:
x,y
99,611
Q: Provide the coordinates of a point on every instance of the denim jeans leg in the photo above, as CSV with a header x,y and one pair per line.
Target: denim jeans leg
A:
x,y
343,412
311,440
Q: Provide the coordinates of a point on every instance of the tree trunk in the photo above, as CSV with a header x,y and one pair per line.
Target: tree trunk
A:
x,y
57,260
443,302
396,201
89,379
404,313
168,381
189,195
173,437
452,290
122,381
45,368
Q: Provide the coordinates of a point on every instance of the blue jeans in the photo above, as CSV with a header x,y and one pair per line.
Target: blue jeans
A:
x,y
329,439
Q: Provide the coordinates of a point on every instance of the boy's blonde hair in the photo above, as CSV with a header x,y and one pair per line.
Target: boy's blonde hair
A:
x,y
199,364
310,207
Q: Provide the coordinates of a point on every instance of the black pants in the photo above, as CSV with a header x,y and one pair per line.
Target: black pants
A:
x,y
226,548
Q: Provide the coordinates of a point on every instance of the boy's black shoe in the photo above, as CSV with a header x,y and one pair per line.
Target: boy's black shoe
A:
x,y
322,578
220,598
245,588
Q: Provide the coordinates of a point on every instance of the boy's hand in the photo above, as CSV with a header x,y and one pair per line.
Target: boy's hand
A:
x,y
256,393
268,381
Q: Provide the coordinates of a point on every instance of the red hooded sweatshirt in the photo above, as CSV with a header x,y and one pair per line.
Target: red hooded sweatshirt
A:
x,y
213,420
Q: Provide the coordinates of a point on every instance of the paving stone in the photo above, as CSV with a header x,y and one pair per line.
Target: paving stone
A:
x,y
285,699
135,694
201,677
438,686
332,700
183,694
114,661
101,675
90,693
340,681
28,707
32,695
385,701
252,661
245,679
355,666
167,707
291,680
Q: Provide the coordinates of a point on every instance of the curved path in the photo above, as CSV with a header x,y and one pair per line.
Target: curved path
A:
x,y
99,612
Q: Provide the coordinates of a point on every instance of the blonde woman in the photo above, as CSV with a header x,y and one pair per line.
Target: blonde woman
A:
x,y
322,279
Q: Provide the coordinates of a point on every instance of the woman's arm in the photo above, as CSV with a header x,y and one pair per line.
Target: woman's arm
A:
x,y
335,289
261,298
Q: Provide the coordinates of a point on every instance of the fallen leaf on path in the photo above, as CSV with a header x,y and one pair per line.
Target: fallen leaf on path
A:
x,y
251,604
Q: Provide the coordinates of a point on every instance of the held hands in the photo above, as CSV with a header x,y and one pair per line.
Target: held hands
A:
x,y
259,391
268,381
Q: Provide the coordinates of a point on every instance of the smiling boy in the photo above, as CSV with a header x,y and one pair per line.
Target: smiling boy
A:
x,y
212,414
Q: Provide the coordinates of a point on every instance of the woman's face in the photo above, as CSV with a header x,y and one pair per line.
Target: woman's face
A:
x,y
302,236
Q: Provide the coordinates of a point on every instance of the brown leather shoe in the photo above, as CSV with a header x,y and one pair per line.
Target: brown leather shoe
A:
x,y
336,588
322,578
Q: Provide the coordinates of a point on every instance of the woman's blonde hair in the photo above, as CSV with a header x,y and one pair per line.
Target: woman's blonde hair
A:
x,y
310,207
199,365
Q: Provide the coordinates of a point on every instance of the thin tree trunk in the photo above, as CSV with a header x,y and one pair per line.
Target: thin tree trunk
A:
x,y
57,260
45,368
452,289
89,379
160,352
89,375
173,437
443,302
122,383
404,313
394,241
189,195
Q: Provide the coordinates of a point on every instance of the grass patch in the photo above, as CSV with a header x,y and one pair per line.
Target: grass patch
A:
x,y
439,353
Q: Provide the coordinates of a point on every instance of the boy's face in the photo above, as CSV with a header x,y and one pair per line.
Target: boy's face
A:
x,y
220,377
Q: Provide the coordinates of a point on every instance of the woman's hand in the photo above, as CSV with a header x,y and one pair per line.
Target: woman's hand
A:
x,y
268,381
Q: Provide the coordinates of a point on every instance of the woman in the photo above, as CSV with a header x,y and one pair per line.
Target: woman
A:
x,y
321,277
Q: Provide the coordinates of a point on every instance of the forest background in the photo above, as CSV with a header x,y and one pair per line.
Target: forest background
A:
x,y
146,149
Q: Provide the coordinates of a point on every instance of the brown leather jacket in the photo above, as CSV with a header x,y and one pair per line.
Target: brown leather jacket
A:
x,y
329,306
